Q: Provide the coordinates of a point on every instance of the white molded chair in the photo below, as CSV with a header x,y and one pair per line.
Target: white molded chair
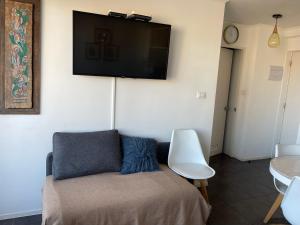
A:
x,y
281,150
291,202
186,157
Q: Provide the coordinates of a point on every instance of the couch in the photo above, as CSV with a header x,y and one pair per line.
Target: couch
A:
x,y
149,198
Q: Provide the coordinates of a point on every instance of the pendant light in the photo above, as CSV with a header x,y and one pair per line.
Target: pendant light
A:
x,y
274,40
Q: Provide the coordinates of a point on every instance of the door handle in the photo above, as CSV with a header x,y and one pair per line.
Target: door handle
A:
x,y
234,109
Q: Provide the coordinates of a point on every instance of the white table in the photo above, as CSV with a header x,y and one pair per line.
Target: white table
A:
x,y
284,168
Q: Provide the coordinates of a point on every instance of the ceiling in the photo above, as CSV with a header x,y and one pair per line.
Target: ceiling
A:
x,y
261,11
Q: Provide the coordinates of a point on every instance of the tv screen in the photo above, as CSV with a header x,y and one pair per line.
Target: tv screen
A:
x,y
109,46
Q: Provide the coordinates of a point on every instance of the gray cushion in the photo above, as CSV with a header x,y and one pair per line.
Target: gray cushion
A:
x,y
162,153
81,154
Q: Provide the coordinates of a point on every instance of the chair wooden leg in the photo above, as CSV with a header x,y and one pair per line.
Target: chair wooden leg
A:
x,y
203,190
274,207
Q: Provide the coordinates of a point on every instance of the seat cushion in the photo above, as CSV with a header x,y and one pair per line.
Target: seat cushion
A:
x,y
139,155
80,154
193,171
160,198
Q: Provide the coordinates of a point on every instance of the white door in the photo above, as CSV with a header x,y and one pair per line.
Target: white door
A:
x,y
221,102
291,121
233,122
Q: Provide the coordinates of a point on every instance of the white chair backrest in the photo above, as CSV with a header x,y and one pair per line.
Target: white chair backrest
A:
x,y
298,138
185,147
282,150
291,202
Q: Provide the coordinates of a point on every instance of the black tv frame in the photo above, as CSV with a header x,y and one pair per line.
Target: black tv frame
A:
x,y
122,75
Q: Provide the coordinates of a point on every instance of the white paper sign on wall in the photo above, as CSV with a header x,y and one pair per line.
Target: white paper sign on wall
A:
x,y
276,73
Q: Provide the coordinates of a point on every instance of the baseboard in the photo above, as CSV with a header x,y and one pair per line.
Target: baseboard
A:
x,y
20,214
247,159
254,158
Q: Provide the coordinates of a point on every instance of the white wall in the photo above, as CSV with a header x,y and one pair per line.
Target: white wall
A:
x,y
294,44
293,38
263,99
78,103
259,102
257,98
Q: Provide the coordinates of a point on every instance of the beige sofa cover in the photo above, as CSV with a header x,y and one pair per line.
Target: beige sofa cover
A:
x,y
157,198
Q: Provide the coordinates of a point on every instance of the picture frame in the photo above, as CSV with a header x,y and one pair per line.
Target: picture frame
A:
x,y
20,56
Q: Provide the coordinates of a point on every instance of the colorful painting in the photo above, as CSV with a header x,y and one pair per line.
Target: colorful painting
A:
x,y
18,55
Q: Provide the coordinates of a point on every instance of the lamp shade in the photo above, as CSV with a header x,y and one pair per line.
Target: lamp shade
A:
x,y
274,40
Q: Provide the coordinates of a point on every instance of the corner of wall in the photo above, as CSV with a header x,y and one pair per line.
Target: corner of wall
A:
x,y
292,36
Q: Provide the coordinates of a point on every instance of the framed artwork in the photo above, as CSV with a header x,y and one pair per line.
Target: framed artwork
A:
x,y
19,56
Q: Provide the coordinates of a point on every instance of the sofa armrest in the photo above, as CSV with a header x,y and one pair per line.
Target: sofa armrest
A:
x,y
49,162
162,152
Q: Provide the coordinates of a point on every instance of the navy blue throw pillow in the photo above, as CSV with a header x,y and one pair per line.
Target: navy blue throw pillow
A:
x,y
139,155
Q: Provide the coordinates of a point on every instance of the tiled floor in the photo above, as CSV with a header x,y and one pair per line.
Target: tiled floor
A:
x,y
31,220
241,194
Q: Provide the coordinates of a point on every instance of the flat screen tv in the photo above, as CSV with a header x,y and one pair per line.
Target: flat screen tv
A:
x,y
116,47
